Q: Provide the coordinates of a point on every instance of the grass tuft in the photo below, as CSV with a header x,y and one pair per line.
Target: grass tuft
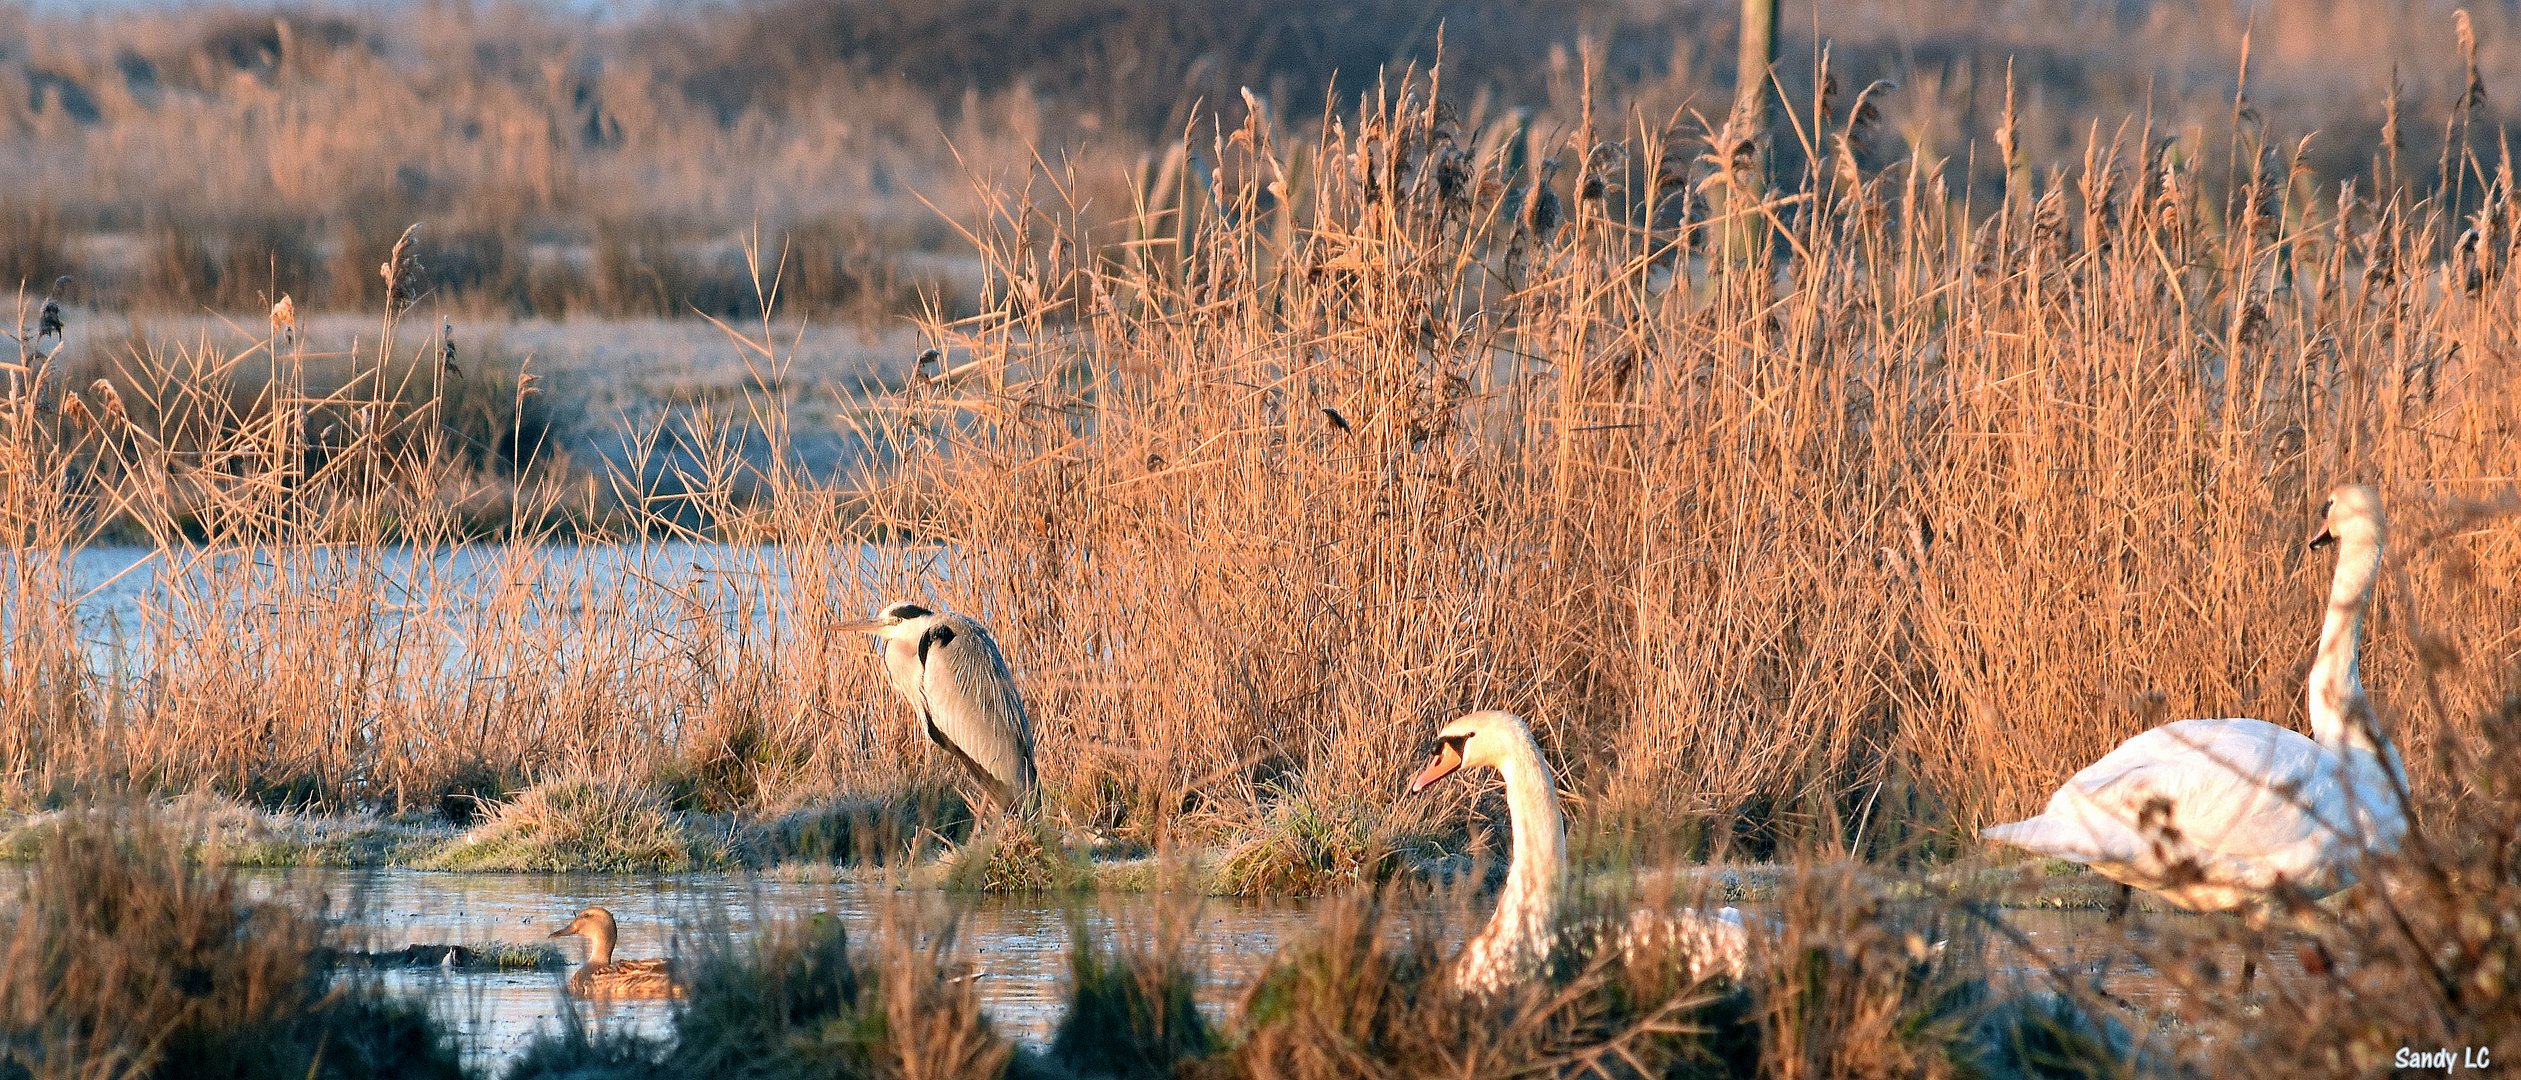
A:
x,y
1133,1011
1016,856
582,823
126,958
801,1001
874,829
1302,850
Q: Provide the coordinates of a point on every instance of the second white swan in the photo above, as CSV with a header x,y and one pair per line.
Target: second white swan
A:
x,y
2217,815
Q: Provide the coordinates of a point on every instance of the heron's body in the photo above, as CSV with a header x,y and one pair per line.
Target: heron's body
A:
x,y
962,697
1523,932
604,978
2217,815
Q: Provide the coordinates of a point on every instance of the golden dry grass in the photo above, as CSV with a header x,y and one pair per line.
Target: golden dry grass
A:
x,y
1332,435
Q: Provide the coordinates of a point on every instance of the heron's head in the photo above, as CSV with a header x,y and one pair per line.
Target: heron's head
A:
x,y
2353,515
898,620
1478,740
594,923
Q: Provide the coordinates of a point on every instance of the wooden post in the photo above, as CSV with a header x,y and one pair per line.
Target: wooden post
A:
x,y
1757,58
1745,234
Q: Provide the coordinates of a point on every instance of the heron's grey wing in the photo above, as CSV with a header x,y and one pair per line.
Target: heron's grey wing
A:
x,y
973,708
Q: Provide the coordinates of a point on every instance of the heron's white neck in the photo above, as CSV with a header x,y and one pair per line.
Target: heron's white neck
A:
x,y
1518,935
2336,697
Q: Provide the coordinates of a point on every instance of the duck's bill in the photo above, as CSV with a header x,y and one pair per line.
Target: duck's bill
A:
x,y
565,931
1447,761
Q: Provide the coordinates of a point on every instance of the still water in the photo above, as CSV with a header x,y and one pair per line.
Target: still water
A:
x,y
423,610
1019,947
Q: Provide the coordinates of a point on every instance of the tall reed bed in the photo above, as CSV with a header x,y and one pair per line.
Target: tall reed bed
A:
x,y
1875,534
1863,535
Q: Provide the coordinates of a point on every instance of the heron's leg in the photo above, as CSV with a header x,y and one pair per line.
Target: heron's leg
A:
x,y
2126,899
2249,971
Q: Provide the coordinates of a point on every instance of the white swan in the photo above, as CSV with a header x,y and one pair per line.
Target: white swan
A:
x,y
1524,930
2214,815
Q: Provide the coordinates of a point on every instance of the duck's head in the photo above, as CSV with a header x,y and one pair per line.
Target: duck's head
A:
x,y
1477,740
899,621
2352,516
593,924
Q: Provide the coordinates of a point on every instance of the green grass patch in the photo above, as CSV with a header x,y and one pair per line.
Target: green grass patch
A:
x,y
1301,849
1015,857
581,823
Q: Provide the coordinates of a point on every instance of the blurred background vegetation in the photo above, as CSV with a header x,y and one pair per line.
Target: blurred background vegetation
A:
x,y
569,163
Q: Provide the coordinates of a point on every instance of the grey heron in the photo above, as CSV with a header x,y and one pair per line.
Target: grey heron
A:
x,y
949,669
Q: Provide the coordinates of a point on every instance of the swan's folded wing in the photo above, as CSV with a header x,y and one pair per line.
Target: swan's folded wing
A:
x,y
2076,837
2234,789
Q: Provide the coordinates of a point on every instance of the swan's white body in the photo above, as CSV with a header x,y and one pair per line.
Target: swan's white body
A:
x,y
2215,815
1519,937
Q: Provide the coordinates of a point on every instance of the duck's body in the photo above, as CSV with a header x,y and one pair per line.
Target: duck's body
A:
x,y
1523,932
2218,815
603,978
626,979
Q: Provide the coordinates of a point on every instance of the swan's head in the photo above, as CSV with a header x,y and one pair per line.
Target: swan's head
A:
x,y
899,621
594,924
2352,516
1479,740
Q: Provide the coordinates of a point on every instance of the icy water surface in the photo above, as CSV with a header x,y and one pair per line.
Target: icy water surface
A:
x,y
437,603
1019,947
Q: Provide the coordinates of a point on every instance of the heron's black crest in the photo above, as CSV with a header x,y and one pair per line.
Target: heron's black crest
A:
x,y
907,611
936,635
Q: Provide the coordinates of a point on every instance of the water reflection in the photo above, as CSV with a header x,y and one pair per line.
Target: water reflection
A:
x,y
1019,946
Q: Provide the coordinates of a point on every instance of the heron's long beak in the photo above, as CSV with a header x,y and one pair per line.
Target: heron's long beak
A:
x,y
861,626
1448,759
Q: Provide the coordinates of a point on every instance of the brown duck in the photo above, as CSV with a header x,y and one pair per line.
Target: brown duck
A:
x,y
605,978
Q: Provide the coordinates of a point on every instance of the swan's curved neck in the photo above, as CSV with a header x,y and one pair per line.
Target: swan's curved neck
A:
x,y
1527,910
2336,698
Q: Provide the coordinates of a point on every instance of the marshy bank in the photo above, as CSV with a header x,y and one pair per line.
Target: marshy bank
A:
x,y
125,957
